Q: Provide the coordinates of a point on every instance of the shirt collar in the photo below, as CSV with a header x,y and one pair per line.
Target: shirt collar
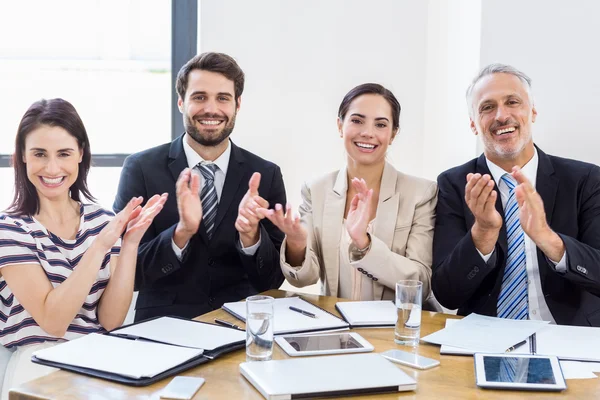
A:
x,y
529,169
194,158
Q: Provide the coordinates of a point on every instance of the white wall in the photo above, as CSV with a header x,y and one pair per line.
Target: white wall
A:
x,y
556,44
300,58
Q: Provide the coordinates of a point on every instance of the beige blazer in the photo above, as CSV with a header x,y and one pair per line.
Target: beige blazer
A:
x,y
402,235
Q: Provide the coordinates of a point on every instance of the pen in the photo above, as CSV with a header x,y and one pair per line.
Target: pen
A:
x,y
532,344
308,314
228,324
515,346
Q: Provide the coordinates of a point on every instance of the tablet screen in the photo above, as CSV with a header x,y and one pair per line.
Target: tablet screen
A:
x,y
323,342
518,370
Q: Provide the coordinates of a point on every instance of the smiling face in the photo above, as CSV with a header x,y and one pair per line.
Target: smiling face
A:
x,y
367,129
503,114
209,108
52,158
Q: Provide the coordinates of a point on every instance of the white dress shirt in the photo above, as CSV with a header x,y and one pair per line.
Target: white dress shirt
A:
x,y
538,309
222,162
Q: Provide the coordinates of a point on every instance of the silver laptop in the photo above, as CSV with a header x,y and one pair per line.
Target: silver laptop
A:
x,y
326,376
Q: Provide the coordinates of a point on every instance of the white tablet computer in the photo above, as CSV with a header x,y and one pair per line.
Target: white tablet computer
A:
x,y
518,372
329,343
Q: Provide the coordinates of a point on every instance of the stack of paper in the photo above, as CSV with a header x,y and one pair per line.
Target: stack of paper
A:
x,y
287,321
567,342
480,333
368,313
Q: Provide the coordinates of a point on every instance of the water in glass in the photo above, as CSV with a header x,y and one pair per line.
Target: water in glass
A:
x,y
259,336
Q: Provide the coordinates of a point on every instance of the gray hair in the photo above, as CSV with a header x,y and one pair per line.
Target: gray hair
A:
x,y
498,69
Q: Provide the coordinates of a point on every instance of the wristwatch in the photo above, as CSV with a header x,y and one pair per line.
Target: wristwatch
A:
x,y
356,253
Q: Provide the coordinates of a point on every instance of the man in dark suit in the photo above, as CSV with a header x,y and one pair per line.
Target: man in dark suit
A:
x,y
208,246
517,231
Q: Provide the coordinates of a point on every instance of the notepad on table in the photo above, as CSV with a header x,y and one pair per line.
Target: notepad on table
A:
x,y
380,313
289,321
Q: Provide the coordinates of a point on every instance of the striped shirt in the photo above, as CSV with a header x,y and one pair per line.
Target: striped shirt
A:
x,y
24,240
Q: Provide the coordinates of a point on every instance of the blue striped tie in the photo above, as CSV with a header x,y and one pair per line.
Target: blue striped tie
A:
x,y
513,302
208,196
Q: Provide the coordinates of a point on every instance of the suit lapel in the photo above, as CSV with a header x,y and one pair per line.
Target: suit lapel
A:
x,y
177,159
333,215
387,212
546,184
233,183
482,169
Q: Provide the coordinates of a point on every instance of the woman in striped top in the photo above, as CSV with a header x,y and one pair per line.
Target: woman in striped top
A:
x,y
64,271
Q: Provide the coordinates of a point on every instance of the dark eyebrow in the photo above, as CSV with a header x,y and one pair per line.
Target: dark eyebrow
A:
x,y
204,93
382,119
376,119
44,150
358,115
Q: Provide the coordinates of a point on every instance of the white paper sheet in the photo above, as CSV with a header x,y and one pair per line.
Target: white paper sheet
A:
x,y
578,370
185,333
288,321
481,333
130,358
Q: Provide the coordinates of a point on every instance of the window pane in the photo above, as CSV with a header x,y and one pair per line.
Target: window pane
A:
x,y
110,59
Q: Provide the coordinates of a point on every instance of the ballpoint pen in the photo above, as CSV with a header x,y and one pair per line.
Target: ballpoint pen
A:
x,y
228,324
511,348
308,314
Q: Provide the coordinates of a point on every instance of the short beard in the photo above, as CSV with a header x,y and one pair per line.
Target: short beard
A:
x,y
194,133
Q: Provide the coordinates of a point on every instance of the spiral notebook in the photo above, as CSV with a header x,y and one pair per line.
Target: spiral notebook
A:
x,y
287,321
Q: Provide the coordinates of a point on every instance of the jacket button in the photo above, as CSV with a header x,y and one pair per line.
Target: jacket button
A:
x,y
211,262
360,269
211,300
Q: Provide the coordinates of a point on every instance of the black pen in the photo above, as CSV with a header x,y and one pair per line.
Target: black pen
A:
x,y
308,314
515,346
228,324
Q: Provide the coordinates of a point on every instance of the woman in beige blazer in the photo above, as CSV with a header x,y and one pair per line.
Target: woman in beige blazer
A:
x,y
365,227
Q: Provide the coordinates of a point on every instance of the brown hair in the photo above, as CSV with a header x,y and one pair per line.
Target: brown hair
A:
x,y
214,62
372,88
54,112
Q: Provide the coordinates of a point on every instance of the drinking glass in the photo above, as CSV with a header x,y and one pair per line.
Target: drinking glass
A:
x,y
408,304
259,328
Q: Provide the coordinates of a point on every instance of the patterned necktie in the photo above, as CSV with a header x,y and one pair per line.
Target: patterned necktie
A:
x,y
513,302
208,196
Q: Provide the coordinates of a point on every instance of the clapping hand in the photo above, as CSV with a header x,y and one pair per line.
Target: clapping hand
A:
x,y
247,222
288,224
142,218
188,206
359,214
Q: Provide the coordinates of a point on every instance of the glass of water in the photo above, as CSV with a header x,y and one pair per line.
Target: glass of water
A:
x,y
259,328
408,304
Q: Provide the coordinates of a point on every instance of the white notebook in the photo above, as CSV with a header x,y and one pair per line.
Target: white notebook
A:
x,y
288,321
130,358
368,313
337,376
578,343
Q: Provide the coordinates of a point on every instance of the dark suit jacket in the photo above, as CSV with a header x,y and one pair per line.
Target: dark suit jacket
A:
x,y
571,193
210,272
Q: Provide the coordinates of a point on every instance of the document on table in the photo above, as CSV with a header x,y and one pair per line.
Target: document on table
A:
x,y
181,332
577,343
129,358
481,333
579,370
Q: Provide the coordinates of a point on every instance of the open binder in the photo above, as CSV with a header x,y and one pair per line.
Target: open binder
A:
x,y
288,321
145,352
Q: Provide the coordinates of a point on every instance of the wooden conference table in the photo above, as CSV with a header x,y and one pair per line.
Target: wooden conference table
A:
x,y
453,379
